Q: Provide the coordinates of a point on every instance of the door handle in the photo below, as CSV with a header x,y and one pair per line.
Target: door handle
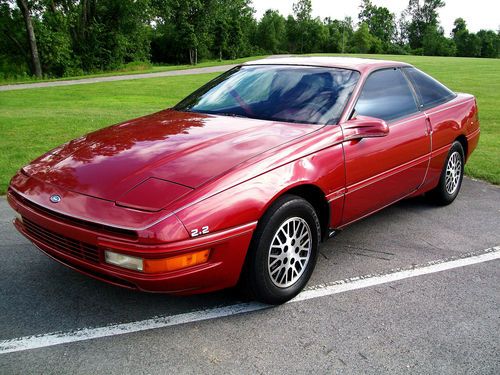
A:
x,y
428,126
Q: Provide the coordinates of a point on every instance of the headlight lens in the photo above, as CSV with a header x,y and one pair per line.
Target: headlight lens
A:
x,y
125,261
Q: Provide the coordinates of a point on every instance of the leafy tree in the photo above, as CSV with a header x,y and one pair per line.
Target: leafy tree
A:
x,y
302,11
380,21
187,30
55,44
489,42
182,29
241,24
26,9
69,37
14,50
459,26
292,34
434,43
347,32
305,34
336,35
221,37
418,18
271,32
188,16
362,39
317,36
468,44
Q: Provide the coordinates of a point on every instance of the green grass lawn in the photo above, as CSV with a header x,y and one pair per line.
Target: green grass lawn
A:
x,y
33,121
135,69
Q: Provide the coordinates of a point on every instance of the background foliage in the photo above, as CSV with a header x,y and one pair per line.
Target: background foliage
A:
x,y
74,37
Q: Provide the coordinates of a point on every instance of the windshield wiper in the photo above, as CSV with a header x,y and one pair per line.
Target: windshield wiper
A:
x,y
229,114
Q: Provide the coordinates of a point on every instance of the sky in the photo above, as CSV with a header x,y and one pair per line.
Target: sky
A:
x,y
479,14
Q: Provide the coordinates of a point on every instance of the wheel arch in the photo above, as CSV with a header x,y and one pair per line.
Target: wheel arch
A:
x,y
314,196
463,141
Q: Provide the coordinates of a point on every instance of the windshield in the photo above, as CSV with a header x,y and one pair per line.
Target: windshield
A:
x,y
300,94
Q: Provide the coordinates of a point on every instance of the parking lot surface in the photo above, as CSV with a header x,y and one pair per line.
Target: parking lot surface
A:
x,y
421,294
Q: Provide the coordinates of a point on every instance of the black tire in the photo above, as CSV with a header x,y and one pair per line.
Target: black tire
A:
x,y
259,278
445,193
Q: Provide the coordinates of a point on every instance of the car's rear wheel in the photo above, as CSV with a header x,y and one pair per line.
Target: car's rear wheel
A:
x,y
451,178
283,252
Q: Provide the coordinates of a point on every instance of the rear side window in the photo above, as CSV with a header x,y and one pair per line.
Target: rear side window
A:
x,y
386,95
431,92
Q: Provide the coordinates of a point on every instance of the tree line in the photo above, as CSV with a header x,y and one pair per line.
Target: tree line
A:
x,y
56,38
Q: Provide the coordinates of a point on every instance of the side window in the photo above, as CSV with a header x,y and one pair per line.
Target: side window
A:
x,y
431,92
386,95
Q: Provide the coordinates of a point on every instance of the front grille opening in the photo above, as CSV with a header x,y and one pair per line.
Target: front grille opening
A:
x,y
69,246
97,275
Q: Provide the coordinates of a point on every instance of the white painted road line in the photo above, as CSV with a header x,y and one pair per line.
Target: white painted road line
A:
x,y
397,274
51,339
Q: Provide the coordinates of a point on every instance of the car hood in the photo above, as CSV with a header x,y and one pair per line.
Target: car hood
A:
x,y
185,149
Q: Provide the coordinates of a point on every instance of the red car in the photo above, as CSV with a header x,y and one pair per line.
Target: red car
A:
x,y
241,180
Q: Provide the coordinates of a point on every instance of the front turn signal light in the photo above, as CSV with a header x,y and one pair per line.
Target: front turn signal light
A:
x,y
176,262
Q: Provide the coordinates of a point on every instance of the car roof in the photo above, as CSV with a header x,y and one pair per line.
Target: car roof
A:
x,y
355,63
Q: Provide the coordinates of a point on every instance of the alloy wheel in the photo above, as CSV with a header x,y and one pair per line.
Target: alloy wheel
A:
x,y
453,172
289,252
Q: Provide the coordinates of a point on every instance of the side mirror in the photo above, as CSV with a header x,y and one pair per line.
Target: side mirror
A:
x,y
364,127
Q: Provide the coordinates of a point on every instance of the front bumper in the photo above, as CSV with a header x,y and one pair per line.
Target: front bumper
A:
x,y
81,247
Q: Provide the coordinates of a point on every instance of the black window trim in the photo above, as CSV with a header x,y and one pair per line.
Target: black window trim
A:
x,y
416,99
420,101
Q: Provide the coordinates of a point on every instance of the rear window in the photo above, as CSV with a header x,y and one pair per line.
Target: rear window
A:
x,y
430,91
386,95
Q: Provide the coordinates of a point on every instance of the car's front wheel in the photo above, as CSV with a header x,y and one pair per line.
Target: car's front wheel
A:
x,y
283,252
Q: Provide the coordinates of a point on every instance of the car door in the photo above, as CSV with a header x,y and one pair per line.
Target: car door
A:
x,y
380,171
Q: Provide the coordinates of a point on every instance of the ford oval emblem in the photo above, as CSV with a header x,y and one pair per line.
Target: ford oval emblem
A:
x,y
55,198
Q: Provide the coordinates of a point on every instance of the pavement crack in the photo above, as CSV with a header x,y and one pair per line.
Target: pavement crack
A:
x,y
432,245
366,255
363,356
370,250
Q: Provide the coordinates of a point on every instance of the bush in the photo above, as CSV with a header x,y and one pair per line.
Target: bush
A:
x,y
396,49
135,66
436,44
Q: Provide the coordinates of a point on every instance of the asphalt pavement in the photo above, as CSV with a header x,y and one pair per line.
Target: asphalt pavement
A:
x,y
443,321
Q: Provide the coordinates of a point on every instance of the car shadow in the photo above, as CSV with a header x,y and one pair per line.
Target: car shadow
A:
x,y
48,297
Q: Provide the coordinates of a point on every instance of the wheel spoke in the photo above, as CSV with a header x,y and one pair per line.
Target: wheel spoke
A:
x,y
283,277
305,243
285,265
275,261
453,173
